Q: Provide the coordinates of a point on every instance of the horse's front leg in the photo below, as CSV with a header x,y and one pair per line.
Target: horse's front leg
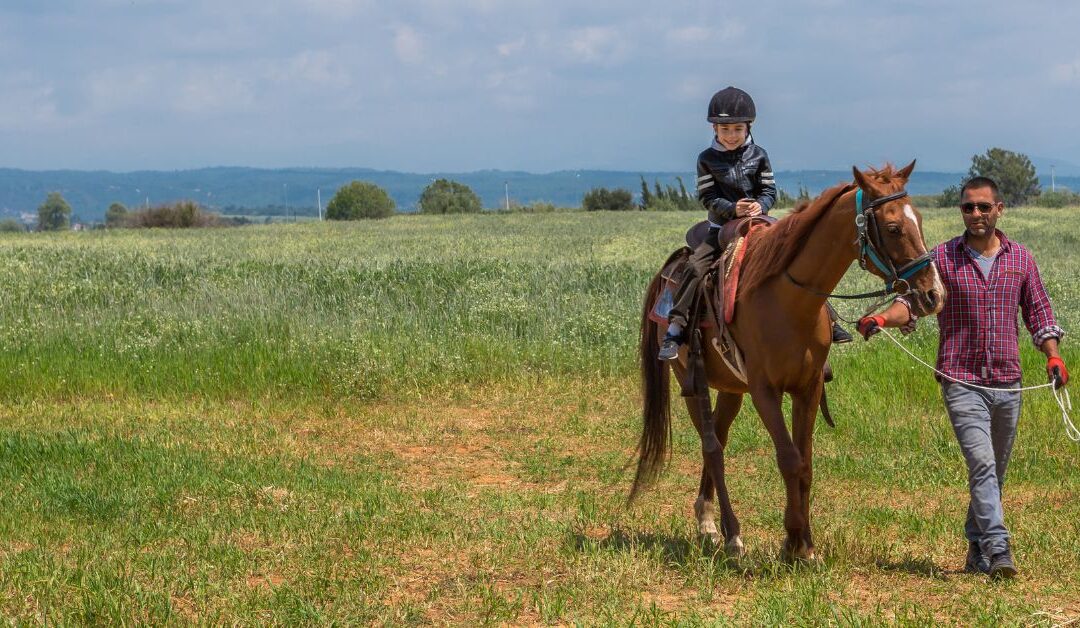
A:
x,y
789,460
804,407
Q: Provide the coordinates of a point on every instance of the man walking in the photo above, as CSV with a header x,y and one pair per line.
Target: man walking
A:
x,y
988,278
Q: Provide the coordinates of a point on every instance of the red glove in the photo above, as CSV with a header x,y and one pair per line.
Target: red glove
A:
x,y
1055,368
870,325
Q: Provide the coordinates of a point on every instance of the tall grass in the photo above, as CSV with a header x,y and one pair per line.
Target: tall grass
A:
x,y
278,425
364,310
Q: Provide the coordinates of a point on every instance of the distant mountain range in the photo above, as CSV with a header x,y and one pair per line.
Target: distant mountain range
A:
x,y
247,190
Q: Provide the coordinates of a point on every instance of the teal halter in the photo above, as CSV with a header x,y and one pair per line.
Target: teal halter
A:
x,y
868,231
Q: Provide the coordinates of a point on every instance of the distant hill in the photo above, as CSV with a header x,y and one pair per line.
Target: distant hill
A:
x,y
230,188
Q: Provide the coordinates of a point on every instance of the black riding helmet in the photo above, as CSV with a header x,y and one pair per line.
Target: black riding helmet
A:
x,y
731,105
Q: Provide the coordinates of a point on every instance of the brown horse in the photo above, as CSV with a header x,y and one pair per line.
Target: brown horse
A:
x,y
784,332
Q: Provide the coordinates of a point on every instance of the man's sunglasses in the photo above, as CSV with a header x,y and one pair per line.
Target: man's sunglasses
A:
x,y
969,208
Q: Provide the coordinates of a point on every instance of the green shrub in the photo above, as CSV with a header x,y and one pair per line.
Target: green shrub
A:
x,y
449,197
11,225
949,197
180,215
601,199
116,215
358,200
1058,198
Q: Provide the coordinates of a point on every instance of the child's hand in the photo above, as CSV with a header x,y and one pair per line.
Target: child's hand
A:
x,y
747,207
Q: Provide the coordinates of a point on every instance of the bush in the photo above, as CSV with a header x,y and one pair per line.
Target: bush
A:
x,y
181,215
359,200
538,207
949,197
1058,198
116,215
449,197
11,225
603,199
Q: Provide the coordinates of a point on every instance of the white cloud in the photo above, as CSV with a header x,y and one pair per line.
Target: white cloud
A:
x,y
128,88
518,89
597,44
217,91
316,67
1066,73
693,88
689,35
338,8
508,48
408,46
26,100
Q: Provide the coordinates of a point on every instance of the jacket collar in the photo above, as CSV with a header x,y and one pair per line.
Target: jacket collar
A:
x,y
717,146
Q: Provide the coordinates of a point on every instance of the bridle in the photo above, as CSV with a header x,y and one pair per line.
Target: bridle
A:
x,y
868,239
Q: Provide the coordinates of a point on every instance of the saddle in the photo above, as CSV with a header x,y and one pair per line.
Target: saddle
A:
x,y
719,286
722,280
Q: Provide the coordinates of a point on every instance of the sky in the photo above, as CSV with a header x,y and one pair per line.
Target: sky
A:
x,y
532,85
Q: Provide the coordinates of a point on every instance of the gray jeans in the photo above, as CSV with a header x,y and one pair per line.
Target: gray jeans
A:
x,y
985,426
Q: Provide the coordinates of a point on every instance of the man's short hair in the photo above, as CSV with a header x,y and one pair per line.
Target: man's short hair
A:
x,y
981,182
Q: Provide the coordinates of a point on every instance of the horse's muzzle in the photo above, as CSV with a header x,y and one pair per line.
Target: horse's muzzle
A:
x,y
927,302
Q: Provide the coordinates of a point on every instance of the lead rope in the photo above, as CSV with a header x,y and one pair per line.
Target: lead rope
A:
x,y
1061,395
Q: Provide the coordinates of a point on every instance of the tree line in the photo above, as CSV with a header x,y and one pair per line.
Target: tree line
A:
x,y
1014,173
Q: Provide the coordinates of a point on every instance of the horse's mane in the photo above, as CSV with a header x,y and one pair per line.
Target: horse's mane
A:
x,y
769,251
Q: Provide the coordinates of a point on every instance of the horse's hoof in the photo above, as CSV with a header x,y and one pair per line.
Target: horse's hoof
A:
x,y
803,555
734,548
708,532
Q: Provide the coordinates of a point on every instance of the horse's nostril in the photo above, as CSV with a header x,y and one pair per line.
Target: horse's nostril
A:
x,y
932,298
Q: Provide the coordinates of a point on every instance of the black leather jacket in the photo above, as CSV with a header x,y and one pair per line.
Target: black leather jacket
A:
x,y
726,176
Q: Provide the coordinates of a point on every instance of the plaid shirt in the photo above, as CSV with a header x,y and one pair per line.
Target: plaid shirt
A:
x,y
978,330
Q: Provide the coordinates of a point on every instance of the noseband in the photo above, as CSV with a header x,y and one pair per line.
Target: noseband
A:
x,y
868,239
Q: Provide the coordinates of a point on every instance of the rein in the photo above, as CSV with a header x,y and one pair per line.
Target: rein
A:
x,y
868,230
1061,396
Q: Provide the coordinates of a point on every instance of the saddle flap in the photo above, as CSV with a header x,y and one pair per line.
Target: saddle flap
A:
x,y
696,235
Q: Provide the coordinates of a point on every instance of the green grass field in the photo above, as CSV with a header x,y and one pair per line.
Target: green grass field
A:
x,y
426,420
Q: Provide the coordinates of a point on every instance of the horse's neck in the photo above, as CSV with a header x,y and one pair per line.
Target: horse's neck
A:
x,y
828,249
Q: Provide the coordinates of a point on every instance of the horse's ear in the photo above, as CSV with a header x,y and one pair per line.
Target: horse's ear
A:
x,y
905,172
860,179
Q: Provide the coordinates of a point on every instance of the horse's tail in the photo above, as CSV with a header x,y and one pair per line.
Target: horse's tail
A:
x,y
656,393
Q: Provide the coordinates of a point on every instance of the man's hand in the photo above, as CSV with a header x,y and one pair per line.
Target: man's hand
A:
x,y
1055,368
870,325
747,207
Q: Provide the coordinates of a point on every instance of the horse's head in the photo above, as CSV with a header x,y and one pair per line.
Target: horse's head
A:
x,y
891,240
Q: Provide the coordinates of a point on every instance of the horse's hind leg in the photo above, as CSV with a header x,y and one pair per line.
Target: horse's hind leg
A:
x,y
727,408
713,430
705,508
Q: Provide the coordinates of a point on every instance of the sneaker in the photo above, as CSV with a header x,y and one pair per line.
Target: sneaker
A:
x,y
840,335
669,349
976,562
1002,565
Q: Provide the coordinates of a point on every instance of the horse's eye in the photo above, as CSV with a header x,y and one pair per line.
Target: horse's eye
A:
x,y
893,229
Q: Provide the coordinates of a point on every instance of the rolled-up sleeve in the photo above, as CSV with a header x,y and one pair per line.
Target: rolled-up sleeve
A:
x,y
1035,307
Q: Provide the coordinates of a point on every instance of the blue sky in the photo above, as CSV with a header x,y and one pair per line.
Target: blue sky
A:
x,y
431,85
